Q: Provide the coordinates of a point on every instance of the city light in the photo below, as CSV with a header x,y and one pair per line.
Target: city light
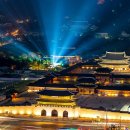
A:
x,y
65,64
64,30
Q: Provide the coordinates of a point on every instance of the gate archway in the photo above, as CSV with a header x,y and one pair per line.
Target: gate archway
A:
x,y
54,113
65,114
43,113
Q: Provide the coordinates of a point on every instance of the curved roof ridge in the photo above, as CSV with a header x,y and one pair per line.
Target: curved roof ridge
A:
x,y
86,77
53,92
70,92
110,52
115,55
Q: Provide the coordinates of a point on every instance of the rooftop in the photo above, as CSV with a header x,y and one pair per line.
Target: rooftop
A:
x,y
115,56
57,85
103,70
120,75
42,82
87,80
57,101
55,92
86,85
109,103
115,87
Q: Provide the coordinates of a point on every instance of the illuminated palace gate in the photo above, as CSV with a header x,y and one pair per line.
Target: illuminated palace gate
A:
x,y
56,103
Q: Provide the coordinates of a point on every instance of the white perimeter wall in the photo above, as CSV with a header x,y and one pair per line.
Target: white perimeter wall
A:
x,y
72,112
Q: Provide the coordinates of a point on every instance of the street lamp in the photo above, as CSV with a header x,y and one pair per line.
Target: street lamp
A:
x,y
106,119
98,120
120,122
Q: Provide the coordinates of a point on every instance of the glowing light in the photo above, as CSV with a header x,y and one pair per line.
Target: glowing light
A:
x,y
56,64
21,112
112,94
0,111
38,113
19,21
14,112
15,33
67,79
29,90
126,95
100,2
29,112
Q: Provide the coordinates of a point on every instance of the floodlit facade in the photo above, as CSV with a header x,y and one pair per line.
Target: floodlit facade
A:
x,y
63,112
61,104
51,103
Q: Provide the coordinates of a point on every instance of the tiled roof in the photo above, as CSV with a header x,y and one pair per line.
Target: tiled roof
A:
x,y
115,87
86,86
103,70
120,76
56,85
55,93
41,81
115,55
86,80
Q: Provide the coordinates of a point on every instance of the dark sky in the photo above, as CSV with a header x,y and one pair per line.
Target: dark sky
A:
x,y
66,24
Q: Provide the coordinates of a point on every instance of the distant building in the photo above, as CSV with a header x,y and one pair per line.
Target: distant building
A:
x,y
71,60
118,61
103,35
86,85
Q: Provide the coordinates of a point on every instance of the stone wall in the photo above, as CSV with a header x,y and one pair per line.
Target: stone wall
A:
x,y
73,112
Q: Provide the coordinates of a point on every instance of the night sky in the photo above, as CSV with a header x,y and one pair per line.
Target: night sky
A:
x,y
65,27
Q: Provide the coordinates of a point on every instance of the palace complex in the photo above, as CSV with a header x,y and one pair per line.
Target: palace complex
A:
x,y
58,94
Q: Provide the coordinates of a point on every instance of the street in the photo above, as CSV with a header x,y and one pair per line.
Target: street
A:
x,y
7,123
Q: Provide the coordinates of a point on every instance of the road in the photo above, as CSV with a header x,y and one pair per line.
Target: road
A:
x,y
7,123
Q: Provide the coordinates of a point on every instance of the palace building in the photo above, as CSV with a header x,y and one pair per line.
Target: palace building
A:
x,y
56,97
86,85
51,103
118,61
